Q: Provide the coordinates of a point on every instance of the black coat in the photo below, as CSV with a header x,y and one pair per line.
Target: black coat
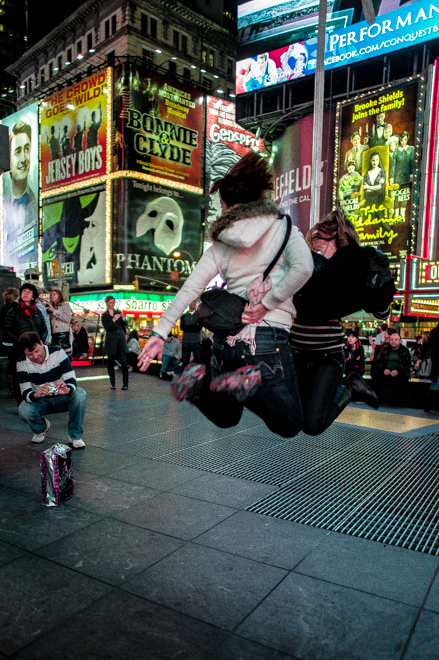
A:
x,y
355,278
17,322
404,357
115,333
3,314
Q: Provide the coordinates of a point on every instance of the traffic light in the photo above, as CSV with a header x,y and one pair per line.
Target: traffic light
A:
x,y
136,285
55,267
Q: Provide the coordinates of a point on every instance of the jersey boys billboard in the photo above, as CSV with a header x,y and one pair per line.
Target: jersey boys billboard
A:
x,y
414,23
158,126
20,192
74,133
226,143
377,166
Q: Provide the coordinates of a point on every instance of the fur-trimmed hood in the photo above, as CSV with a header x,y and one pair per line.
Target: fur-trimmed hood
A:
x,y
260,216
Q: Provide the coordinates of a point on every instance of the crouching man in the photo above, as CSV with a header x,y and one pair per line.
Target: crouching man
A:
x,y
48,385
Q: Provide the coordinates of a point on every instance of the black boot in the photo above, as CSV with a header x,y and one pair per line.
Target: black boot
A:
x,y
112,384
342,397
361,389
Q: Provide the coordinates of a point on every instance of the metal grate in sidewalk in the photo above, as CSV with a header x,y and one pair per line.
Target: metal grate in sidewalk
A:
x,y
383,488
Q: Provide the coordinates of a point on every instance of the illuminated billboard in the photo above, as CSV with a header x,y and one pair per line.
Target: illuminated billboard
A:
x,y
158,126
20,219
377,165
74,133
74,223
157,234
413,23
226,142
292,170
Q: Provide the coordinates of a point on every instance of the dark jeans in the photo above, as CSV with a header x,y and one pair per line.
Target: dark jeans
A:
x,y
75,404
132,360
319,376
170,364
276,400
191,349
393,389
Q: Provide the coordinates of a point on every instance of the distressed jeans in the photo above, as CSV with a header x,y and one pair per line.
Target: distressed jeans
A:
x,y
75,404
276,400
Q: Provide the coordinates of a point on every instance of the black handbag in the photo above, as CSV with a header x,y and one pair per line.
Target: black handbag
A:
x,y
220,311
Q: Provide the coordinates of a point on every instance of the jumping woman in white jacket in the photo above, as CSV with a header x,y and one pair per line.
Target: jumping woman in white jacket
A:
x,y
246,238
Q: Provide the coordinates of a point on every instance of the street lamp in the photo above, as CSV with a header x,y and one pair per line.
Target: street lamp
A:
x,y
177,254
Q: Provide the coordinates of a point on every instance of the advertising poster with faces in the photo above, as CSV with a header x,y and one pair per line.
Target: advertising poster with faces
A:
x,y
157,126
376,166
20,192
292,170
75,224
226,143
74,133
159,233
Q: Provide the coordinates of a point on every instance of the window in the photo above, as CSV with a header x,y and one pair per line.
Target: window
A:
x,y
113,24
153,28
144,23
89,70
211,58
42,77
59,62
69,56
204,55
30,84
79,47
173,68
148,56
206,83
186,74
184,43
89,40
230,68
176,40
111,57
107,29
50,69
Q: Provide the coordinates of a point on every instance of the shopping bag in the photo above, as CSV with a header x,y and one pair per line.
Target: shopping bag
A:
x,y
424,369
56,474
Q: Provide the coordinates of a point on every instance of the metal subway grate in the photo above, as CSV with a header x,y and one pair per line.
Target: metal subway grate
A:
x,y
383,488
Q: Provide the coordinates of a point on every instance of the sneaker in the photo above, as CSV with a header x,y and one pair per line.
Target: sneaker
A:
x,y
112,386
241,383
77,444
124,387
165,376
189,383
40,437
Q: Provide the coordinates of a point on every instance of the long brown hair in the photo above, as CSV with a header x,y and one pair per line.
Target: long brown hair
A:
x,y
60,300
334,225
246,181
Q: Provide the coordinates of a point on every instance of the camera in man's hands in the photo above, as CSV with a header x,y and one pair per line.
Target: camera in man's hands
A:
x,y
52,390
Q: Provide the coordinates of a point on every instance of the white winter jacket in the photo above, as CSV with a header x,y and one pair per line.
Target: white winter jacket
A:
x,y
244,250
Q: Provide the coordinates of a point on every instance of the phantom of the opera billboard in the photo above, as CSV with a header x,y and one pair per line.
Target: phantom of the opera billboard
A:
x,y
377,166
158,126
74,223
226,142
157,236
292,170
19,242
74,132
278,43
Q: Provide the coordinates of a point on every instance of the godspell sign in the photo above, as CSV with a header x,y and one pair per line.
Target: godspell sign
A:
x,y
376,166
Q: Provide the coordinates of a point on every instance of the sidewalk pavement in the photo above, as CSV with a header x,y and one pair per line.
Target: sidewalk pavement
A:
x,y
157,555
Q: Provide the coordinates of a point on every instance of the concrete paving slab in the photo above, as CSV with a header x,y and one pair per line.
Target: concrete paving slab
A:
x,y
376,568
182,517
314,620
229,491
156,474
239,648
424,641
432,602
107,496
38,595
110,550
9,552
212,586
262,538
123,626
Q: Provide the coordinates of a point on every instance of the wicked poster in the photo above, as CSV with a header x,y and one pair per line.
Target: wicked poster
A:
x,y
74,225
157,232
377,165
158,126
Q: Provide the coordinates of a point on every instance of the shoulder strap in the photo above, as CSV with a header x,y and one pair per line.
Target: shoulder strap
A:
x,y
281,249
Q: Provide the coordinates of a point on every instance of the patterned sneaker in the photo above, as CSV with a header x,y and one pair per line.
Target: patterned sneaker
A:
x,y
242,383
77,444
40,437
189,383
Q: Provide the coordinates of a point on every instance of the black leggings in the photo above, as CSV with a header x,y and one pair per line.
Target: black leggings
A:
x,y
319,376
121,358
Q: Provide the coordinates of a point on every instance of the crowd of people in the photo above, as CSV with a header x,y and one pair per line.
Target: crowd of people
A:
x,y
295,376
